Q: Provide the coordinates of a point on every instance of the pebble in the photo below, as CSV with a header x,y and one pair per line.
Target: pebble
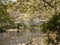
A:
x,y
21,44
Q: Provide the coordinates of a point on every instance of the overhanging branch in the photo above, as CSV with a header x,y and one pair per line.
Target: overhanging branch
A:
x,y
48,4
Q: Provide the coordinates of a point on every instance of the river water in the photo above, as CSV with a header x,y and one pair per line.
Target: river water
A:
x,y
14,38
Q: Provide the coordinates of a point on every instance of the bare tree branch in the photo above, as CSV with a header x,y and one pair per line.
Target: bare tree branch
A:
x,y
48,4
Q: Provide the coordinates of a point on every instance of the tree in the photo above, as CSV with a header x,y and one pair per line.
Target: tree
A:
x,y
5,18
52,27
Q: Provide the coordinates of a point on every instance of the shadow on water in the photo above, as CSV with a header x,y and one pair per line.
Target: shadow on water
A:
x,y
2,30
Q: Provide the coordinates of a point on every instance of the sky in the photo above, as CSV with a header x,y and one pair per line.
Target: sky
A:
x,y
14,0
